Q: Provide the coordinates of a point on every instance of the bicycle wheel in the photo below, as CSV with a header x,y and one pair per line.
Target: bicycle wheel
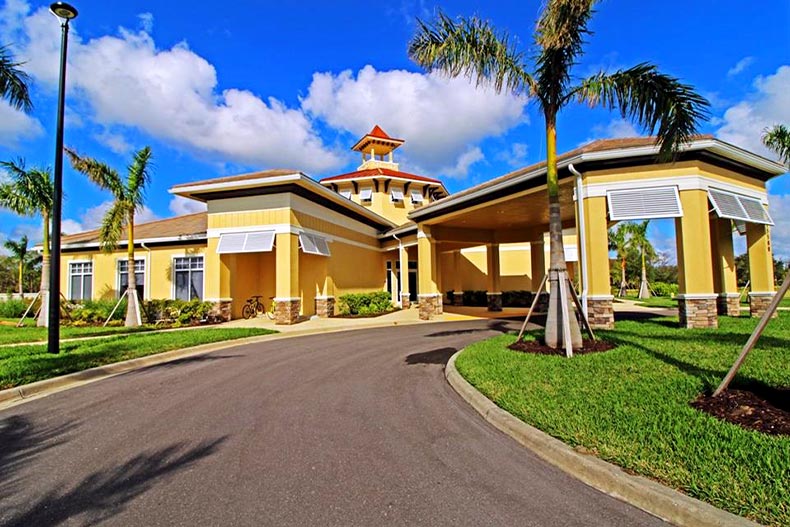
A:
x,y
247,311
259,309
270,312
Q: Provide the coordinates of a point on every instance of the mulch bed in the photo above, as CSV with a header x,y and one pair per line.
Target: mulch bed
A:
x,y
749,410
537,347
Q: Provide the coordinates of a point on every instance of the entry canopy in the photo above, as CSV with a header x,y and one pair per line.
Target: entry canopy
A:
x,y
742,209
644,203
313,244
245,242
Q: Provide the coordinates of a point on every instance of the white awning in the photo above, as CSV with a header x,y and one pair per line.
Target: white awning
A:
x,y
346,193
738,207
313,244
396,194
644,203
245,242
366,194
416,196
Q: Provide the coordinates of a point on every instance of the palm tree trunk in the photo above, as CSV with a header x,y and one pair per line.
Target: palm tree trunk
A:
x,y
21,273
557,318
644,290
623,281
43,314
132,304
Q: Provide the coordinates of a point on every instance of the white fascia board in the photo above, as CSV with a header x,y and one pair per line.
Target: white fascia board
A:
x,y
91,245
228,185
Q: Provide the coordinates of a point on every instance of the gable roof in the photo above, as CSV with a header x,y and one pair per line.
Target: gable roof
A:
x,y
382,172
189,226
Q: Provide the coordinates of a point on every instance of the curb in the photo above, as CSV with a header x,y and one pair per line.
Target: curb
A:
x,y
656,499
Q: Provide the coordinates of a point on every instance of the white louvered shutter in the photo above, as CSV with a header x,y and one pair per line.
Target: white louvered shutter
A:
x,y
644,203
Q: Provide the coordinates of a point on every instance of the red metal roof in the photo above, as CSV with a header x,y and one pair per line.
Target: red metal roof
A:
x,y
380,172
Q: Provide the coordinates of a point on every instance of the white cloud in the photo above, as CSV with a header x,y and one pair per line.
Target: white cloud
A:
x,y
170,94
441,119
16,126
92,217
779,207
33,231
516,155
70,226
114,141
744,123
465,160
146,22
740,66
615,129
180,206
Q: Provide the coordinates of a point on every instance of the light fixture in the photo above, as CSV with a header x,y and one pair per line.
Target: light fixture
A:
x,y
63,10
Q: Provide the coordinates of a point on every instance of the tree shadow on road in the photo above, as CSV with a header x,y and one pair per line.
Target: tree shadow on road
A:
x,y
495,325
437,356
105,493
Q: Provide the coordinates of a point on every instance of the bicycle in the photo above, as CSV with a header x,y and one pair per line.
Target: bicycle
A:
x,y
255,307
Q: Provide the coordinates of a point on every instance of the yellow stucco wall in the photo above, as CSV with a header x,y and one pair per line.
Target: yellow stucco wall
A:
x,y
158,273
381,203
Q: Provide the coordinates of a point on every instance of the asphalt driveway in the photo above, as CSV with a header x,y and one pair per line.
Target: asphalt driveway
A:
x,y
355,428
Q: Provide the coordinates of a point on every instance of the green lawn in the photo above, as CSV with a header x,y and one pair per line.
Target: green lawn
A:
x,y
10,334
655,301
630,406
24,364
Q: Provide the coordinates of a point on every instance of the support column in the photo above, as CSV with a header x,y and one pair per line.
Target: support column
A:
x,y
761,268
288,301
537,256
724,279
324,293
217,276
600,309
494,289
697,298
403,255
430,297
458,284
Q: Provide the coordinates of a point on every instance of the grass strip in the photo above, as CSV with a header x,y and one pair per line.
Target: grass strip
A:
x,y
10,334
25,364
630,406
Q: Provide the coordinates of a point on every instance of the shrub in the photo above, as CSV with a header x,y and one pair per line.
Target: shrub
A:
x,y
14,308
373,303
475,298
179,312
664,289
97,311
516,298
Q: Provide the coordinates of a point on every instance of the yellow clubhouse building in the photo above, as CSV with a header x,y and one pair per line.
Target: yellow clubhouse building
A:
x,y
282,234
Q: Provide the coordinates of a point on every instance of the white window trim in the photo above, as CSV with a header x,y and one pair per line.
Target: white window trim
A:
x,y
173,273
144,259
68,274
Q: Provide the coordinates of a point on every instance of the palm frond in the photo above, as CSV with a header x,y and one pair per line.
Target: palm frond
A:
x,y
139,176
17,248
17,194
559,36
13,82
470,47
777,139
659,103
112,225
99,173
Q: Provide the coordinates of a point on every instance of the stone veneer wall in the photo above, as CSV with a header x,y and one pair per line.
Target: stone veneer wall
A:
x,y
600,313
697,312
494,301
325,307
759,302
430,306
405,301
728,304
222,310
286,311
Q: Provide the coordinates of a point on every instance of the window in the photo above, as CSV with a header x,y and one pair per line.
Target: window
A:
x,y
346,193
245,242
366,194
644,203
80,280
416,197
313,244
396,195
139,277
738,207
188,277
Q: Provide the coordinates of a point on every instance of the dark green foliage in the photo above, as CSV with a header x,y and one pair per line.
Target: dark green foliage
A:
x,y
13,308
664,289
517,298
374,303
475,298
88,312
176,312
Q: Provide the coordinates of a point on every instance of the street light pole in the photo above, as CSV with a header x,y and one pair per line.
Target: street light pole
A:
x,y
65,12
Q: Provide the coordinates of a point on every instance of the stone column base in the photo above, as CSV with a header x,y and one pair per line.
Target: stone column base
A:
x,y
698,311
600,311
494,301
430,306
759,302
405,302
325,306
729,304
222,310
286,310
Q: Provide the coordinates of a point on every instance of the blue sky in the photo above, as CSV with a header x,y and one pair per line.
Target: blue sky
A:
x,y
244,87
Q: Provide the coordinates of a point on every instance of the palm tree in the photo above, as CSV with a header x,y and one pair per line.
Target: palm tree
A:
x,y
777,139
640,241
29,193
658,102
129,196
13,82
19,252
619,241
